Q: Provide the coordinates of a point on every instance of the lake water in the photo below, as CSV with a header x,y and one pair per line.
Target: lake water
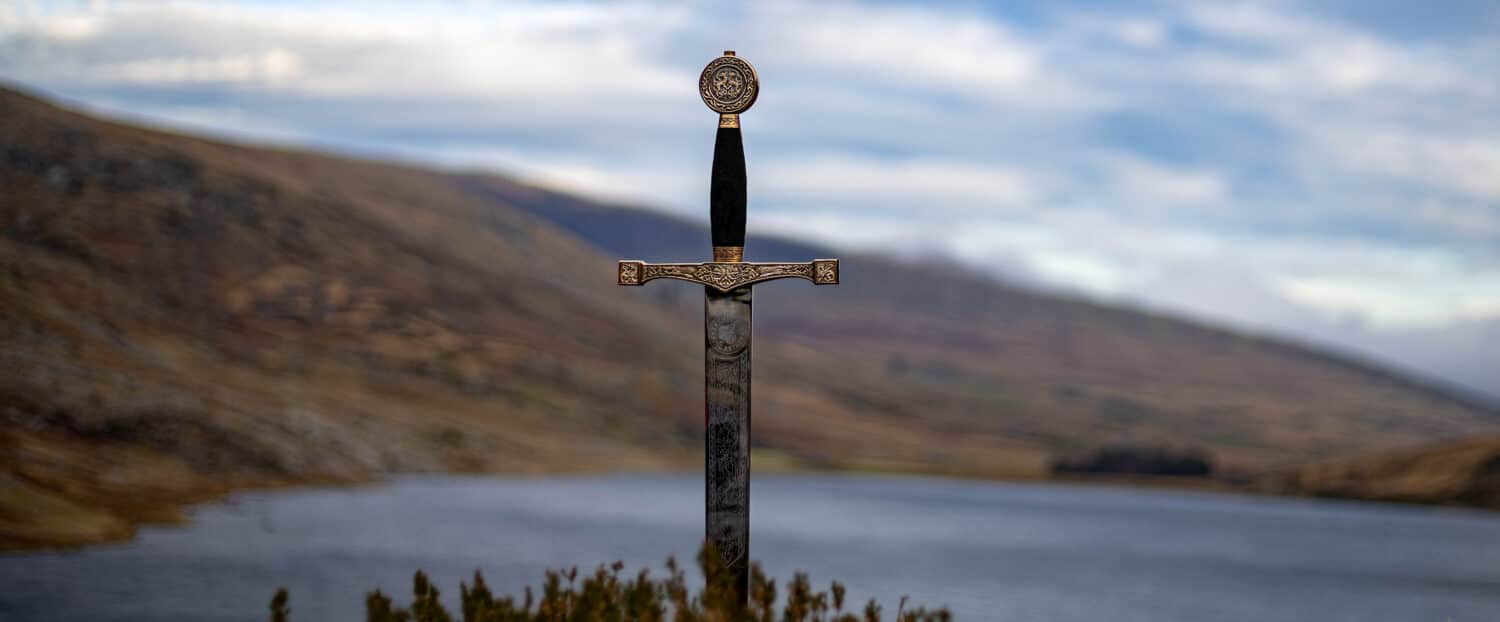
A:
x,y
989,551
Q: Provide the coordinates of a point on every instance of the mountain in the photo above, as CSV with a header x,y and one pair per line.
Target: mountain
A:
x,y
182,316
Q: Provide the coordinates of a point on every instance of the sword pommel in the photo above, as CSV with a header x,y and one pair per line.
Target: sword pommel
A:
x,y
729,85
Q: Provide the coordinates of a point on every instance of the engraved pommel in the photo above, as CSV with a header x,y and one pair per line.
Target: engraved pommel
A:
x,y
729,85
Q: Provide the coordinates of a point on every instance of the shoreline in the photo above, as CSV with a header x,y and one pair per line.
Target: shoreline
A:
x,y
178,510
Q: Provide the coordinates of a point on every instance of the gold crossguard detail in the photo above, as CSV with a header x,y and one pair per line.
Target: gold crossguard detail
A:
x,y
725,276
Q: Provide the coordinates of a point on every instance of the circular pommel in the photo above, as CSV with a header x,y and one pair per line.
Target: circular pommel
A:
x,y
729,84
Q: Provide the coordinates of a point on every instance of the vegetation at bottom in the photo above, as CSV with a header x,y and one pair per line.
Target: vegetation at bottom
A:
x,y
607,596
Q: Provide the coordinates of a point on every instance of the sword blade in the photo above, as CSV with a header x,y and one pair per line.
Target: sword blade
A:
x,y
727,449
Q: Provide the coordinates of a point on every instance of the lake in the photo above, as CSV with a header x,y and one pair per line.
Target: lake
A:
x,y
989,551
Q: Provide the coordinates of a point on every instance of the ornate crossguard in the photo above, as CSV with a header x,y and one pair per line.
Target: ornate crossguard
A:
x,y
729,86
727,275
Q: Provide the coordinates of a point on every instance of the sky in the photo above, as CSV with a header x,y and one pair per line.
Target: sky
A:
x,y
1325,171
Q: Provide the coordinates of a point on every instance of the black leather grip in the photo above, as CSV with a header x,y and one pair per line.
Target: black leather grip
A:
x,y
726,201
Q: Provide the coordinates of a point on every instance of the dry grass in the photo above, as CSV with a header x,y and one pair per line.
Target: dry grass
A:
x,y
1463,473
608,596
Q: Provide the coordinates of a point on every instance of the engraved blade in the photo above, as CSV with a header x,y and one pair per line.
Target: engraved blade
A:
x,y
727,414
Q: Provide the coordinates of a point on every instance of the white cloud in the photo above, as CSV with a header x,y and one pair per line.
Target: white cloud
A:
x,y
1467,164
929,186
908,46
838,230
1480,220
1402,303
579,61
1349,100
1304,56
270,67
1140,32
1152,183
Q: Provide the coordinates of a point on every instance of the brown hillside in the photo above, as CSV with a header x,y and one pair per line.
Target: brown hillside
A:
x,y
1462,473
179,316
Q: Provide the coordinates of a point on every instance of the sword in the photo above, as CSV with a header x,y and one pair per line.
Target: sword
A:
x,y
729,86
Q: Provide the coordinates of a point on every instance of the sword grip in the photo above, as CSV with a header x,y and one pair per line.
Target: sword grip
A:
x,y
726,204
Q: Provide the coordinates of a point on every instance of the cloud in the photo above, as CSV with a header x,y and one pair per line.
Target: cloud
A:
x,y
1156,184
1463,164
932,186
515,55
955,51
1302,56
1387,303
270,67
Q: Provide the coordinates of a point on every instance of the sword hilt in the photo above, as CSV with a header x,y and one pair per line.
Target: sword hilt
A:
x,y
726,195
729,86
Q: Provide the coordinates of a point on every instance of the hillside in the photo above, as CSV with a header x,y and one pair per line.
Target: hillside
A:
x,y
185,315
182,316
1462,473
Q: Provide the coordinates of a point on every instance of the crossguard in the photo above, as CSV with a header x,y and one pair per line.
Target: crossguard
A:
x,y
728,275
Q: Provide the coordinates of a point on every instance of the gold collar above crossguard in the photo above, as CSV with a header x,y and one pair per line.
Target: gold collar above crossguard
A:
x,y
729,254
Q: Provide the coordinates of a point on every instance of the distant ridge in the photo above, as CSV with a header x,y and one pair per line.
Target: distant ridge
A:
x,y
631,231
180,317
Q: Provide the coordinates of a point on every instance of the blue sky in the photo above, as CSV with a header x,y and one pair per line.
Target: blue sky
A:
x,y
1326,170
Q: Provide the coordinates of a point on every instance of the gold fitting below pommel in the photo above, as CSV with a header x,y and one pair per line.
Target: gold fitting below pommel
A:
x,y
729,254
729,120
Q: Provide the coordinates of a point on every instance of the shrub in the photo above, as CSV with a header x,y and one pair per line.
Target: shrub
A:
x,y
607,596
1138,460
